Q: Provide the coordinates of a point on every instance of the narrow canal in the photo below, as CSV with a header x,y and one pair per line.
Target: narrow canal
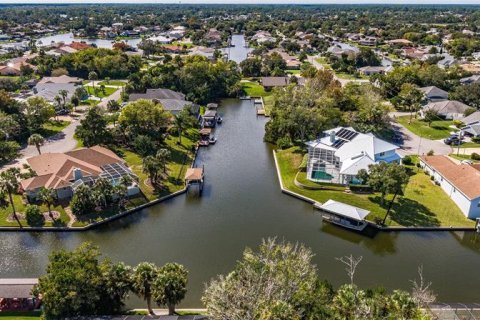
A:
x,y
241,205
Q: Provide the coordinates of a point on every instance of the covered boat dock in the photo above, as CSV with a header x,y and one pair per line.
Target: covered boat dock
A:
x,y
343,214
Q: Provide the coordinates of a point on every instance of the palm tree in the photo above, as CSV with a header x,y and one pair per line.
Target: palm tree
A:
x,y
36,140
58,102
151,166
47,196
9,182
170,286
182,120
113,105
63,93
143,277
93,76
162,156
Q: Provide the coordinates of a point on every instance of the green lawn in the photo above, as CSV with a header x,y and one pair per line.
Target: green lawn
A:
x,y
117,83
254,89
348,76
89,102
462,157
437,130
323,61
424,204
53,127
98,92
181,159
20,315
20,205
294,71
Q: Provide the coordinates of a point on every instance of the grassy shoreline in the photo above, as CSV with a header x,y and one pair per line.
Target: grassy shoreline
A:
x,y
423,204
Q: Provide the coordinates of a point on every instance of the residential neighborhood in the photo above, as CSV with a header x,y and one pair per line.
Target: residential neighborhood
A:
x,y
239,161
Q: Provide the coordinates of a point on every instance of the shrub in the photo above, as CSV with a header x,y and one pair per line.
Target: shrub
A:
x,y
430,153
284,142
34,216
475,156
144,145
458,123
360,188
419,165
476,139
407,160
431,178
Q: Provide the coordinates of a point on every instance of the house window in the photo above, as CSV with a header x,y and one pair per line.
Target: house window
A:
x,y
382,154
478,205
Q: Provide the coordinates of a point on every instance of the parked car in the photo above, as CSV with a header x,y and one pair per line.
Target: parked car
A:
x,y
453,140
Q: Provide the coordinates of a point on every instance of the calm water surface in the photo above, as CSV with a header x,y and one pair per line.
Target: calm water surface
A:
x,y
241,205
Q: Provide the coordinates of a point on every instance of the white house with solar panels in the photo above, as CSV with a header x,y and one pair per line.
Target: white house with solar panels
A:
x,y
341,153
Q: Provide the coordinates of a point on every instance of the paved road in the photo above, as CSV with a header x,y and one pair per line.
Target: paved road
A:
x,y
410,143
61,142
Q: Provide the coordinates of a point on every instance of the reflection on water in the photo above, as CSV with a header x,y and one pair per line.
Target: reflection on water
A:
x,y
242,204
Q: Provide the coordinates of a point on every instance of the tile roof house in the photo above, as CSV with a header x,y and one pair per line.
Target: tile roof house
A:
x,y
461,182
171,100
342,152
14,69
433,93
448,109
271,82
64,172
370,70
470,80
50,90
60,80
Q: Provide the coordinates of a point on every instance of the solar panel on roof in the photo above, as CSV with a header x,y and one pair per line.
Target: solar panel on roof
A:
x,y
346,134
337,144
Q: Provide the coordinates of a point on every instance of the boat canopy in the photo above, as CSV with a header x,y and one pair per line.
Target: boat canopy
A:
x,y
343,209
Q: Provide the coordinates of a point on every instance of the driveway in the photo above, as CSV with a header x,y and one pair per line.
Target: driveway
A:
x,y
114,96
411,144
60,142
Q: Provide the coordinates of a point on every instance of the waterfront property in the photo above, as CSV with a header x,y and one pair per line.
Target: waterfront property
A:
x,y
342,152
171,100
461,182
342,214
64,172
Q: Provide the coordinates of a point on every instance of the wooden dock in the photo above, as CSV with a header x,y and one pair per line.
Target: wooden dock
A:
x,y
259,105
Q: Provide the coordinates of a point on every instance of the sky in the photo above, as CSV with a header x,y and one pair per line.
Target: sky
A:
x,y
255,1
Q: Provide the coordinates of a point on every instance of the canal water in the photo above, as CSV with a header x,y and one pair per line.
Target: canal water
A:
x,y
241,205
238,52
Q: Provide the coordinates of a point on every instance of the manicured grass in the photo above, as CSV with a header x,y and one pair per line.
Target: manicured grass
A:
x,y
19,315
53,127
98,92
423,203
462,157
89,102
348,76
20,206
181,159
117,83
468,145
437,130
84,82
268,103
254,89
294,71
323,61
